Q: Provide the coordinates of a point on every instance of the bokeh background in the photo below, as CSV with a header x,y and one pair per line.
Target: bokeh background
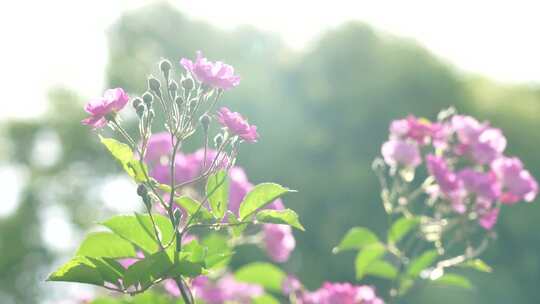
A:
x,y
321,81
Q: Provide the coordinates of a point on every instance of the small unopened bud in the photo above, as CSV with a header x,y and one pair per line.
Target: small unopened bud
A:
x,y
136,102
218,140
205,122
142,191
187,84
177,216
148,99
165,67
173,86
140,110
179,101
154,85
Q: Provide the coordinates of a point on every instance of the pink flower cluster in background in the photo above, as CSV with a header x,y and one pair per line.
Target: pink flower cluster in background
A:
x,y
332,293
466,159
224,290
278,240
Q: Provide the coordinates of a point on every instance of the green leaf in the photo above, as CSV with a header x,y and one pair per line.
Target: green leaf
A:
x,y
105,244
366,257
422,262
260,196
79,270
110,270
138,229
381,269
265,299
285,216
456,280
195,252
401,227
265,274
191,206
148,270
217,190
125,156
356,238
478,265
218,251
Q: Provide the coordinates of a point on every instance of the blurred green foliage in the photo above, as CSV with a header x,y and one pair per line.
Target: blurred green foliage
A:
x,y
322,115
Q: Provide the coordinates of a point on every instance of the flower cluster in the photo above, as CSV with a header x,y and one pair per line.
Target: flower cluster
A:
x,y
466,159
331,293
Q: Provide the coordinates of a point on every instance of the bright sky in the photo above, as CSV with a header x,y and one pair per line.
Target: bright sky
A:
x,y
62,42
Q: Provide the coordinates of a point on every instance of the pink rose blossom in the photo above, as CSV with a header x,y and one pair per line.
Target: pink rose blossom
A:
x,y
485,185
449,184
184,170
400,152
159,145
342,293
218,75
112,101
279,241
225,290
488,218
420,130
237,125
518,184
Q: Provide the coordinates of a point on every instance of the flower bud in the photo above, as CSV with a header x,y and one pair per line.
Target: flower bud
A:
x,y
148,99
165,67
218,140
179,101
205,122
173,86
177,216
192,106
154,85
147,201
136,102
142,191
140,110
187,84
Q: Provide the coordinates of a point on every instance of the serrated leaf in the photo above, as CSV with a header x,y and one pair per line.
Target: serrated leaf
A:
x,y
422,262
125,156
478,265
217,190
381,269
455,280
138,229
86,270
105,244
401,228
366,257
356,238
285,216
192,206
265,274
148,270
260,196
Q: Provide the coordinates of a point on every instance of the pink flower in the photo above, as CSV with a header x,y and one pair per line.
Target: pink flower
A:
x,y
420,130
400,152
484,144
488,218
449,184
279,241
183,170
112,101
198,161
342,293
225,290
217,75
239,186
159,145
518,184
291,285
485,185
237,125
